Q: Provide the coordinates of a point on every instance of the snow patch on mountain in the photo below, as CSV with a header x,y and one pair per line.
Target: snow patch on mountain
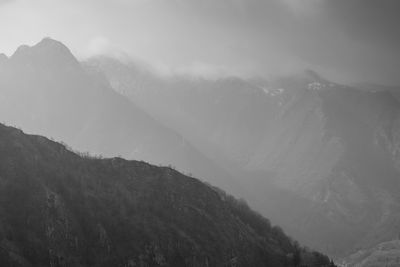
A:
x,y
273,92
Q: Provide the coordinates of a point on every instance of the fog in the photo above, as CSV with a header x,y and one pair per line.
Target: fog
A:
x,y
292,106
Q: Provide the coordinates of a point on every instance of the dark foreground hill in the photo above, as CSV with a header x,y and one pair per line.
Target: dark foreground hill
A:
x,y
58,208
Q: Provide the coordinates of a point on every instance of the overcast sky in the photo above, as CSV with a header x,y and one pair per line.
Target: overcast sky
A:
x,y
346,40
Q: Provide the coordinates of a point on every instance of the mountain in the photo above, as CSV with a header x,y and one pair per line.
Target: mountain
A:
x,y
383,254
45,90
320,158
3,58
214,114
61,209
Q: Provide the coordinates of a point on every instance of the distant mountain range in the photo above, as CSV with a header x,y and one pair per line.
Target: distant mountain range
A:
x,y
61,209
318,158
45,90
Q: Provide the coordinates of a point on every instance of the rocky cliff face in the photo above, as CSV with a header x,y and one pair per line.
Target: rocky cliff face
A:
x,y
61,209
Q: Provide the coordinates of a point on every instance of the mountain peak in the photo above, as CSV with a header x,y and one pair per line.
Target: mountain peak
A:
x,y
47,51
313,75
50,43
3,58
21,50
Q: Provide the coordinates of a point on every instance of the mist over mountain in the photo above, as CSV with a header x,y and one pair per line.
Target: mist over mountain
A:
x,y
330,149
148,133
45,90
319,158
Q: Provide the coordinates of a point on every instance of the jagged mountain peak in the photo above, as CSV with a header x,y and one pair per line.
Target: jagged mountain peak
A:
x,y
51,44
47,51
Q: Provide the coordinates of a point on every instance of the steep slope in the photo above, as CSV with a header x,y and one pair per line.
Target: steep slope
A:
x,y
45,90
217,116
61,209
384,254
321,159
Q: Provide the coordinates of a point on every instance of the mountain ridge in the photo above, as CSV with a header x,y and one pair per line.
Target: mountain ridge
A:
x,y
62,209
333,148
298,139
47,52
60,98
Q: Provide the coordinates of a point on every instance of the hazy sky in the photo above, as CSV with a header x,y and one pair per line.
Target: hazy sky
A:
x,y
347,40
